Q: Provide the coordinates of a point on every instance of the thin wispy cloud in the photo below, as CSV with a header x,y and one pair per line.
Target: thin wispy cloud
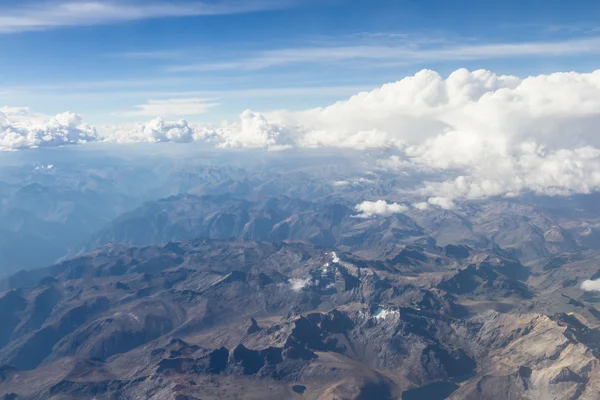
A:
x,y
149,89
170,108
253,93
403,54
40,15
549,28
122,85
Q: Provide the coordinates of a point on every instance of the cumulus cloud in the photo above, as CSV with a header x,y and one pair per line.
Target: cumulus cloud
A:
x,y
591,286
63,129
558,172
379,207
253,130
156,130
169,108
498,135
397,115
441,202
20,129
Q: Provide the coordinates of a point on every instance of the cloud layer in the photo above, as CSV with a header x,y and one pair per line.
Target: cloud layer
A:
x,y
495,135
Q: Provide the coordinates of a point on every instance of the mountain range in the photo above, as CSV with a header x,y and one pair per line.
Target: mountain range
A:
x,y
179,280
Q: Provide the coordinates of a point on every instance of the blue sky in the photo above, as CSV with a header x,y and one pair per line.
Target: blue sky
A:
x,y
207,61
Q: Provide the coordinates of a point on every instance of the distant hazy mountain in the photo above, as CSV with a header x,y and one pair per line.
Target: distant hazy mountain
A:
x,y
273,219
54,207
531,233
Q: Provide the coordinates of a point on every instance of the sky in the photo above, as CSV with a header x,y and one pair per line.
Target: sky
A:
x,y
128,61
484,98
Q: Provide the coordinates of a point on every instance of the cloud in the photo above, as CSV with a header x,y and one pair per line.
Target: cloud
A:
x,y
15,111
558,172
498,135
441,202
63,129
591,286
422,206
155,131
379,207
395,163
38,15
170,107
253,130
21,129
415,51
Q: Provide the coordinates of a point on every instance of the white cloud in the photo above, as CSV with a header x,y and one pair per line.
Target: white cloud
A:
x,y
591,286
44,15
253,130
398,114
20,129
558,172
154,131
170,107
442,202
395,163
499,135
17,132
379,207
15,111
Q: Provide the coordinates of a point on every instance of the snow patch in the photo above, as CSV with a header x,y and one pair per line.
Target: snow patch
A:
x,y
334,257
383,313
133,316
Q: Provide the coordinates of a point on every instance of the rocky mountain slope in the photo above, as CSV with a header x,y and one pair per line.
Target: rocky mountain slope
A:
x,y
208,319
